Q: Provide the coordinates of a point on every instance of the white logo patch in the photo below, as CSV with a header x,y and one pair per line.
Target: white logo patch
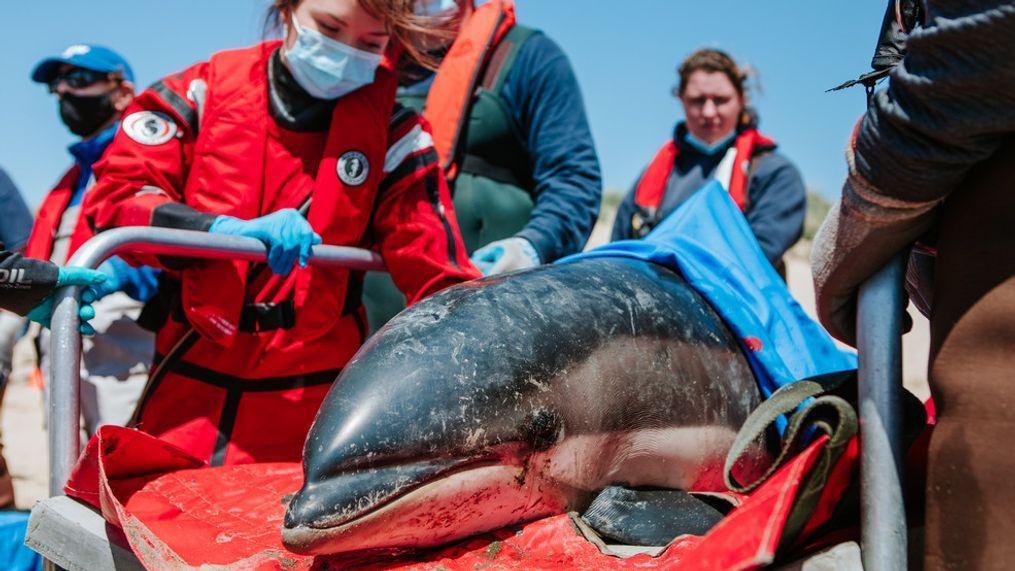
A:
x,y
353,168
75,50
149,127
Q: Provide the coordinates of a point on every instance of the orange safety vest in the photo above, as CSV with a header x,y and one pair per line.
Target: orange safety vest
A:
x,y
652,186
451,96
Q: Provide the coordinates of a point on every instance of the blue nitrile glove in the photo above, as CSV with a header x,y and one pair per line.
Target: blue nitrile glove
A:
x,y
68,276
139,283
287,234
506,256
112,283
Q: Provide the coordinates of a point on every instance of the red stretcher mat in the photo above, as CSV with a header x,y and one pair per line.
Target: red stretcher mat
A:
x,y
178,513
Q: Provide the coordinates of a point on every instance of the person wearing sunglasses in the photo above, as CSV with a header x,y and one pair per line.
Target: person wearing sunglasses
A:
x,y
92,86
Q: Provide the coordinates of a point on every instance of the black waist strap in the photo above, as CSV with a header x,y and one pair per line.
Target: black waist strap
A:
x,y
261,317
254,318
230,382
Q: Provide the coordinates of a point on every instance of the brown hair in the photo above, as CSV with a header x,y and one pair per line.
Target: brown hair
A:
x,y
415,33
714,61
718,61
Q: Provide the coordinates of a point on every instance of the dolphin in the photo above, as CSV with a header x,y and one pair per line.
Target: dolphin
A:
x,y
516,397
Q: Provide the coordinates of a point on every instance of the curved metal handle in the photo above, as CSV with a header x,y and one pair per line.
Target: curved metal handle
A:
x,y
879,344
65,352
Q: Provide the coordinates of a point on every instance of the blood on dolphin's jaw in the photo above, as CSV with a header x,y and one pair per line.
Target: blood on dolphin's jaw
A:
x,y
573,376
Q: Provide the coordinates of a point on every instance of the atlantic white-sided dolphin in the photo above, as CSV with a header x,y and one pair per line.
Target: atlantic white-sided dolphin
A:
x,y
513,398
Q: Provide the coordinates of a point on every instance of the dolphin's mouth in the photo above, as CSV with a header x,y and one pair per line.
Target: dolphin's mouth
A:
x,y
473,497
342,499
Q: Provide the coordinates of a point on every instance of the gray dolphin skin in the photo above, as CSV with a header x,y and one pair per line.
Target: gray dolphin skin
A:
x,y
516,397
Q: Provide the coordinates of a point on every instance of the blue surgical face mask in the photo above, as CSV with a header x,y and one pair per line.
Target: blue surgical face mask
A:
x,y
706,148
327,68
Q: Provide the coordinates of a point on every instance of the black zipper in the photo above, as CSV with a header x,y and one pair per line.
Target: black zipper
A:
x,y
435,201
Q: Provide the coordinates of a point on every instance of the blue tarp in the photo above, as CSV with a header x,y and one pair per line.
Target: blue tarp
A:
x,y
14,556
708,240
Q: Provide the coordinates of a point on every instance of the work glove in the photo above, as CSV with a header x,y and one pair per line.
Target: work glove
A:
x,y
138,283
506,256
286,233
72,276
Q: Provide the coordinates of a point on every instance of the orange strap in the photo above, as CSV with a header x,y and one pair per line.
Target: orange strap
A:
x,y
447,106
652,185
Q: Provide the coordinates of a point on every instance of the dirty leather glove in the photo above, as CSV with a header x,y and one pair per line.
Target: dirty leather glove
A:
x,y
506,256
286,233
68,276
858,237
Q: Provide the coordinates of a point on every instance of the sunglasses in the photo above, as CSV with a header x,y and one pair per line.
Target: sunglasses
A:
x,y
78,78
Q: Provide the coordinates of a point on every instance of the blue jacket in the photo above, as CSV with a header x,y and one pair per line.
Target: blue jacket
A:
x,y
776,204
15,218
542,94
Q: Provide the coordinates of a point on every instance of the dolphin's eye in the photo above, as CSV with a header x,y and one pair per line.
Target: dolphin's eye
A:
x,y
543,427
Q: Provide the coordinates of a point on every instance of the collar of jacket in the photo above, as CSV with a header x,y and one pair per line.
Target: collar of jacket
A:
x,y
88,151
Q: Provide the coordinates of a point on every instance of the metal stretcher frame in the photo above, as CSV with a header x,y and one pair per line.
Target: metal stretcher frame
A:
x,y
65,373
879,344
879,335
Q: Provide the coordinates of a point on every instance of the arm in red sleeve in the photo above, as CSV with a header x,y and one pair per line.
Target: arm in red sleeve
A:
x,y
140,179
414,221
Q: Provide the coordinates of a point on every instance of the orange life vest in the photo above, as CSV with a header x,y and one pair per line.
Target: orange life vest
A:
x,y
447,105
652,186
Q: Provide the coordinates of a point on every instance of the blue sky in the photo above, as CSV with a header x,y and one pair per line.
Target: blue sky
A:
x,y
625,55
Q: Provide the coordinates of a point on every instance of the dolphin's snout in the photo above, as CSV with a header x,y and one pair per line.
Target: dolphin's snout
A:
x,y
339,499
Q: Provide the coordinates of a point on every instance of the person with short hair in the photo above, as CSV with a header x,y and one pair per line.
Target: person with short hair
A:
x,y
718,139
93,85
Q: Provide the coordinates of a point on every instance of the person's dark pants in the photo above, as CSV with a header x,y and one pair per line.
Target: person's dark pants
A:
x,y
971,478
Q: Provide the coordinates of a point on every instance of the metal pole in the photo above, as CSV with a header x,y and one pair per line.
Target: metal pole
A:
x,y
65,353
879,341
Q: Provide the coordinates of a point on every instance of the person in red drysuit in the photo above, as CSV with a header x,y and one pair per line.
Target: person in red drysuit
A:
x,y
238,145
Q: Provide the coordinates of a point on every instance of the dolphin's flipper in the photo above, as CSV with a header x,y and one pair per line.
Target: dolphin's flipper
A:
x,y
648,516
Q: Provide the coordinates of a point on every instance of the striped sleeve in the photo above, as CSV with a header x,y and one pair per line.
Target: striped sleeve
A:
x,y
410,149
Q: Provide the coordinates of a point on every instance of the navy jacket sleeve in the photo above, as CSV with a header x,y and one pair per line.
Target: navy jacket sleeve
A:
x,y
625,210
24,282
778,204
543,94
15,218
949,105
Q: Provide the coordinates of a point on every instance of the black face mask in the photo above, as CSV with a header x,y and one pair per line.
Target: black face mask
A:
x,y
84,115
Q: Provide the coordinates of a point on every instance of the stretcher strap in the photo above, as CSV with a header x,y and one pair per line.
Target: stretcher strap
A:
x,y
818,412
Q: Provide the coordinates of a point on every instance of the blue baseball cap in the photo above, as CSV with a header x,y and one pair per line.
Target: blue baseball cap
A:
x,y
88,56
